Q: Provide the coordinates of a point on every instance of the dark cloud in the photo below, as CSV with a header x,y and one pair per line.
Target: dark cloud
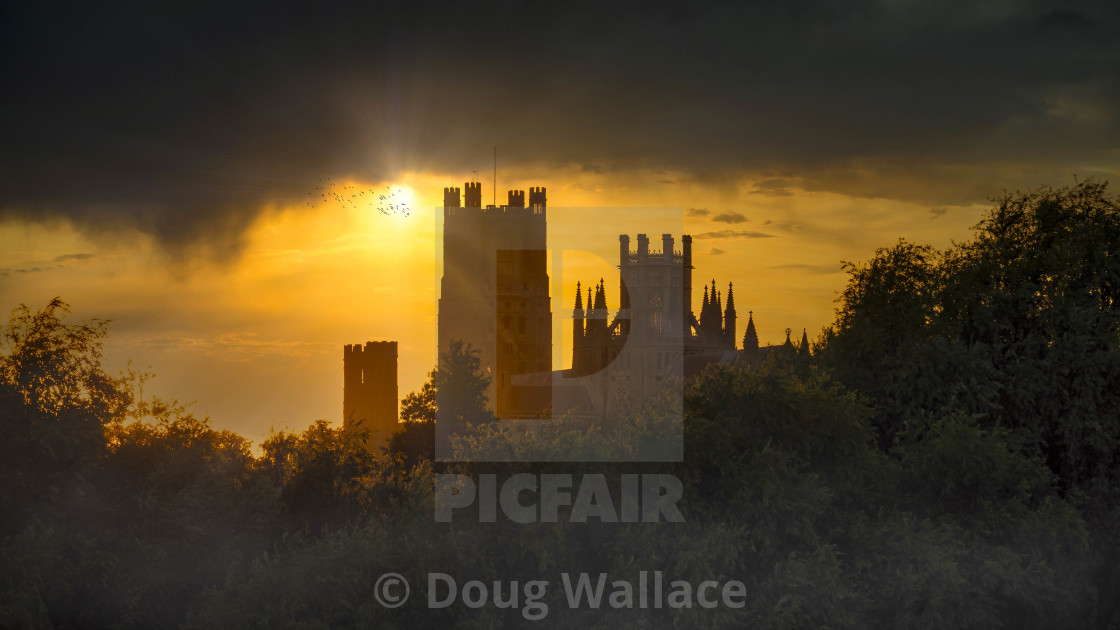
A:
x,y
937,212
784,227
65,257
37,266
727,234
1067,19
182,119
775,187
696,212
815,269
715,251
729,217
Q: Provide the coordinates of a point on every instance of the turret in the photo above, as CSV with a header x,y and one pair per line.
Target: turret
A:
x,y
450,197
516,199
472,195
536,197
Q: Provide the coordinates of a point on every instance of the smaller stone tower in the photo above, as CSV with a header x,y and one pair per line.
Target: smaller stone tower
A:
x,y
369,390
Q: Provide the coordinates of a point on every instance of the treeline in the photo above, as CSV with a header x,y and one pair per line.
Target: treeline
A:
x,y
948,458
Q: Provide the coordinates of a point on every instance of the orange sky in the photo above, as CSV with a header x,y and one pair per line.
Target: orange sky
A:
x,y
256,341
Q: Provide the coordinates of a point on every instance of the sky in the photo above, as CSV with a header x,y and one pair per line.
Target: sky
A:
x,y
202,174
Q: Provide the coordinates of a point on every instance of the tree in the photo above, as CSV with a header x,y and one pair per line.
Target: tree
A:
x,y
321,473
886,312
460,394
415,441
993,370
55,402
1019,326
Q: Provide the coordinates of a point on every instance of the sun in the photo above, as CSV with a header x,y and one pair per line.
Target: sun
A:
x,y
396,201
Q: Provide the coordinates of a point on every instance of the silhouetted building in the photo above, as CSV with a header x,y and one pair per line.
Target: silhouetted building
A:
x,y
750,337
494,293
369,391
655,311
654,333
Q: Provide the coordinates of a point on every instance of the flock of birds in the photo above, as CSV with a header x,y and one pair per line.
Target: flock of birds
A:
x,y
388,202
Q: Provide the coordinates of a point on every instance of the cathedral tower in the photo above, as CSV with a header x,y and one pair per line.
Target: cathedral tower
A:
x,y
494,293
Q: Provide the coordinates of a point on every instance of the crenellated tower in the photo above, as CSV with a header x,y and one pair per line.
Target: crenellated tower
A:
x,y
494,293
369,389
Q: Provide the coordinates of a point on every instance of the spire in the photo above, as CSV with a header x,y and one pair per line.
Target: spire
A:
x,y
788,345
601,296
803,351
729,318
750,338
578,331
704,304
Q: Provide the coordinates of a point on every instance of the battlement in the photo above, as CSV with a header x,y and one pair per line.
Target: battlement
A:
x,y
536,197
372,348
536,212
646,255
516,199
450,197
472,194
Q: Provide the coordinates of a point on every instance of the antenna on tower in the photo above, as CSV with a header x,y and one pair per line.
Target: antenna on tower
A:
x,y
495,175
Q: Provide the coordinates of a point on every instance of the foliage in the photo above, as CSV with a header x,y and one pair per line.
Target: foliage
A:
x,y
459,392
452,402
321,474
992,370
1018,328
650,431
415,441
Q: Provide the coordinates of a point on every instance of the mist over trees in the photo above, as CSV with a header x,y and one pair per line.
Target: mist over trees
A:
x,y
949,457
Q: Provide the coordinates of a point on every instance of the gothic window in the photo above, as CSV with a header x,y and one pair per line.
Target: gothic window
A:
x,y
655,314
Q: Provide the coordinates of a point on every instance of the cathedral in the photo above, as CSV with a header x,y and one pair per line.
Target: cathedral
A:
x,y
495,296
